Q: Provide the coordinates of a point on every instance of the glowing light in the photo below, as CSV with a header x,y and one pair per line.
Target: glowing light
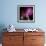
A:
x,y
29,12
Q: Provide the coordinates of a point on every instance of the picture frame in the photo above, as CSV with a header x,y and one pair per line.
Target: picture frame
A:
x,y
26,13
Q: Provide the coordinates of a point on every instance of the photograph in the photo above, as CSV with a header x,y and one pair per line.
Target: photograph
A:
x,y
26,13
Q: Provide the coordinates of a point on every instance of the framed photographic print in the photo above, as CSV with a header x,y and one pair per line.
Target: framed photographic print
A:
x,y
26,13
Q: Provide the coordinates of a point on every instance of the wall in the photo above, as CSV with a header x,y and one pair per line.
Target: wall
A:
x,y
8,13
